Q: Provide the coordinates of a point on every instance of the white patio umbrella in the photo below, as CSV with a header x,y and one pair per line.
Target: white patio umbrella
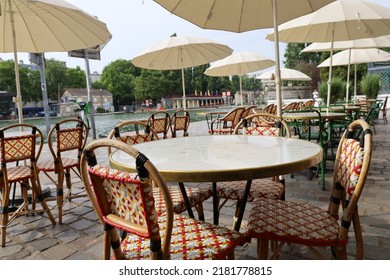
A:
x,y
338,21
180,52
377,42
286,74
46,26
356,56
239,63
243,15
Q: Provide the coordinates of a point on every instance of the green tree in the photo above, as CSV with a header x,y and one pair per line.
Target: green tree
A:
x,y
118,77
29,81
56,78
75,78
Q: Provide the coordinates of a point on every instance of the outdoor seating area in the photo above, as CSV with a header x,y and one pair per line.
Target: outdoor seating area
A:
x,y
177,164
79,219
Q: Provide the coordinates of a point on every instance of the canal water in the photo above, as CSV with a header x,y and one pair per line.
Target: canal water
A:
x,y
105,122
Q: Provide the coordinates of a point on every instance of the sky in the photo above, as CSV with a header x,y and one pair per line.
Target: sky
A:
x,y
138,24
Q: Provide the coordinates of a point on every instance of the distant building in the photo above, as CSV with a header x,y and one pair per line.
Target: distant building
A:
x,y
95,76
101,98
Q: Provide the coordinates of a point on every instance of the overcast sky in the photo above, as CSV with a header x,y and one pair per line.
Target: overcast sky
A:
x,y
138,24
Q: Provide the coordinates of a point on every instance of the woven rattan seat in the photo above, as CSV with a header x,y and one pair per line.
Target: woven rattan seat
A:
x,y
20,148
66,140
303,223
126,202
135,132
262,124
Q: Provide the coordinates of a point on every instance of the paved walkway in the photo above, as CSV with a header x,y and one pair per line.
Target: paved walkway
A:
x,y
80,235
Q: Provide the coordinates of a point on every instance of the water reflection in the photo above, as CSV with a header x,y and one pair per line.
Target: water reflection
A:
x,y
105,122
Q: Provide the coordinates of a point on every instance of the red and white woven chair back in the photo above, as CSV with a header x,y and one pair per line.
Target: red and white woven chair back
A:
x,y
128,198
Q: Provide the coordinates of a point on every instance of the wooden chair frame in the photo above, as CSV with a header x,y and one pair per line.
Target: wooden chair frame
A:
x,y
350,173
66,136
160,122
14,150
180,122
148,177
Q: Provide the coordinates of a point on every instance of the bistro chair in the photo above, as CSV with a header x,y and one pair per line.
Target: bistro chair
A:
x,y
20,147
180,122
160,122
306,224
384,110
66,141
274,188
125,202
135,132
227,123
248,111
310,129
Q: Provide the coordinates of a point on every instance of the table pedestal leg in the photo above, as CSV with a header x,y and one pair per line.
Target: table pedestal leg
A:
x,y
237,223
186,200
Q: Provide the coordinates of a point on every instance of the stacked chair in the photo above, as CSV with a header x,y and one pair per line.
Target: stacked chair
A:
x,y
302,223
126,202
135,132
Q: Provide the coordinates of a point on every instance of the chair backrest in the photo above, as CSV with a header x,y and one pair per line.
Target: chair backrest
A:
x,y
248,111
20,142
180,122
69,135
270,108
233,116
292,106
160,122
350,172
262,124
125,201
308,104
133,132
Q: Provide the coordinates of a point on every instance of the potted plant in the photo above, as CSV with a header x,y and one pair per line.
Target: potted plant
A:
x,y
337,90
370,85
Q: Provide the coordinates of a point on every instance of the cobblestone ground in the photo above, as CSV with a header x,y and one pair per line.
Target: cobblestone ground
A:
x,y
80,235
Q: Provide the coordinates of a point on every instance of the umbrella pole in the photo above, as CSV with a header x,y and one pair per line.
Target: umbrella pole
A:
x,y
184,89
277,70
330,68
241,89
355,78
90,102
348,72
17,77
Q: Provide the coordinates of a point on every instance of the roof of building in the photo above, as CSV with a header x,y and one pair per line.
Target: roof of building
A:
x,y
83,92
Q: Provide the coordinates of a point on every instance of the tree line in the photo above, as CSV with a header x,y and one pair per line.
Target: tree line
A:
x,y
129,84
126,82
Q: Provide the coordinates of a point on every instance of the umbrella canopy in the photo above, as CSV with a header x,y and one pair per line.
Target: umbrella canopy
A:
x,y
243,15
356,56
338,21
286,74
377,42
46,26
239,63
180,52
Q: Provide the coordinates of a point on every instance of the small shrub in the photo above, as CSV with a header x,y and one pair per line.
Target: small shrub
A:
x,y
370,85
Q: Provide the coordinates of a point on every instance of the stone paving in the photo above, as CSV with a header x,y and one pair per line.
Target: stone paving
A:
x,y
80,235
